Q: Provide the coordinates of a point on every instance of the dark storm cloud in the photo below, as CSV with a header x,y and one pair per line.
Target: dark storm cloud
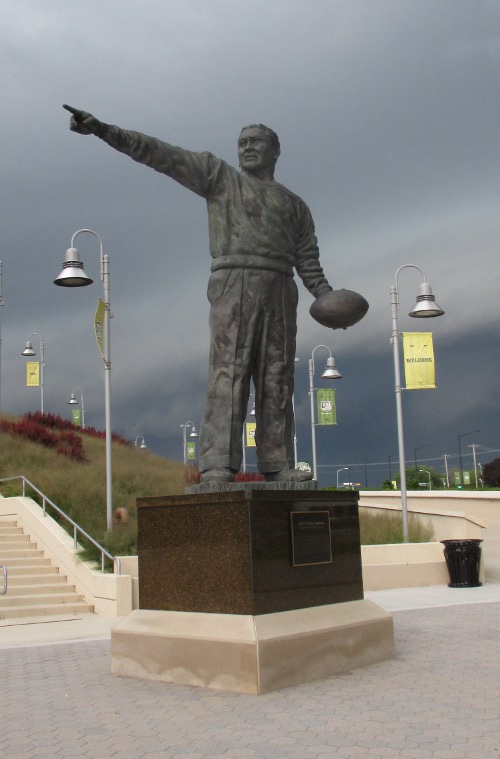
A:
x,y
386,111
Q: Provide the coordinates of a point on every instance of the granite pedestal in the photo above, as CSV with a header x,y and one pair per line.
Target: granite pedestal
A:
x,y
250,590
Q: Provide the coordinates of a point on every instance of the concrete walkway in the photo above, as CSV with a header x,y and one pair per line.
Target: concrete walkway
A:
x,y
439,697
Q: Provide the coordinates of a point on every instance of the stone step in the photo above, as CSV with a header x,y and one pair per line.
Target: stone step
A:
x,y
11,532
34,589
32,569
27,561
13,612
12,599
45,578
27,551
13,541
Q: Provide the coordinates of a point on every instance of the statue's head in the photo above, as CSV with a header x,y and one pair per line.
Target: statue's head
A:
x,y
258,149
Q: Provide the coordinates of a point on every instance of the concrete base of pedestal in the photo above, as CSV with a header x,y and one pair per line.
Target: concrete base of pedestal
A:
x,y
251,654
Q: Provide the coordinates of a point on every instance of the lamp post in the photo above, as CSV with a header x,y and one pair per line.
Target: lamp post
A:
x,y
1,304
73,275
429,475
472,432
446,470
344,468
28,351
330,372
193,433
429,445
425,307
142,444
72,402
474,458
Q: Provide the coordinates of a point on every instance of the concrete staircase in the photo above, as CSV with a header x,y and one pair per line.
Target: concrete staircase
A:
x,y
35,586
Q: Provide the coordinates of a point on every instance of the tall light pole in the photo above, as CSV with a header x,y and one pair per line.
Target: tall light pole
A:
x,y
193,433
73,402
472,432
446,470
28,351
474,458
330,372
1,304
73,275
425,307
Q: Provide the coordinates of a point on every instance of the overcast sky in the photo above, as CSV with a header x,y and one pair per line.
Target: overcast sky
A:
x,y
387,112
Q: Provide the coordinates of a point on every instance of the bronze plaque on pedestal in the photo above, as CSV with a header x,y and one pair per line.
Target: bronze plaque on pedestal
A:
x,y
311,538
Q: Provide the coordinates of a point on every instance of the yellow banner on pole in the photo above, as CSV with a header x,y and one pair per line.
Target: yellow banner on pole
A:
x,y
32,374
250,434
99,317
419,360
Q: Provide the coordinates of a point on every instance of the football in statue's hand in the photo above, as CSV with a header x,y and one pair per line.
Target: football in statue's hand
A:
x,y
339,309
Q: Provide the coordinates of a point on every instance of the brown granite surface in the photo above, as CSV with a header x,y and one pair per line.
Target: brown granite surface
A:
x,y
231,552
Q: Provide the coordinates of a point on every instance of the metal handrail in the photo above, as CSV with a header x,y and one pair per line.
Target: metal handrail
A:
x,y
4,570
77,530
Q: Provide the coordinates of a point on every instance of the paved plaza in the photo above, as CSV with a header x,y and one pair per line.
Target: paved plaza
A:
x,y
440,696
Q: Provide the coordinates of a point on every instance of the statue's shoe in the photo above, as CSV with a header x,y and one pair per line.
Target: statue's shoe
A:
x,y
217,475
288,475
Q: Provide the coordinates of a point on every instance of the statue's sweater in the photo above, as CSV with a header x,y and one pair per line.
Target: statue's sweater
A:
x,y
253,223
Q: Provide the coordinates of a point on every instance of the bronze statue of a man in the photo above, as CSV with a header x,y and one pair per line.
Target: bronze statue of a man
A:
x,y
260,232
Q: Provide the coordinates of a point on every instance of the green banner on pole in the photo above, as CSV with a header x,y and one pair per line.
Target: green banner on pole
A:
x,y
77,416
327,412
191,450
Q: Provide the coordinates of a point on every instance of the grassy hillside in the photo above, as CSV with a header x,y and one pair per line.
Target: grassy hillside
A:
x,y
79,487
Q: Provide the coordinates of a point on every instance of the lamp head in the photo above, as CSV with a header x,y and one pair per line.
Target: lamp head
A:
x,y
28,351
331,371
72,274
193,432
426,305
72,400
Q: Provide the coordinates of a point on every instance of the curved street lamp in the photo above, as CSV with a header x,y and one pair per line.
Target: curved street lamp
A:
x,y
330,372
142,444
425,307
72,402
429,475
73,275
193,433
344,468
28,351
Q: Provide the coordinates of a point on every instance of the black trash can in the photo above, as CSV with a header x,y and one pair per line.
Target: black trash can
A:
x,y
463,559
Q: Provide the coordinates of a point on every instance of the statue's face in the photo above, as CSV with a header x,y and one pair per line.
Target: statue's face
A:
x,y
255,151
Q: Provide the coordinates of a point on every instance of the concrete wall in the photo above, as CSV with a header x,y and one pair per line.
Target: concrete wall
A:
x,y
477,504
109,594
452,515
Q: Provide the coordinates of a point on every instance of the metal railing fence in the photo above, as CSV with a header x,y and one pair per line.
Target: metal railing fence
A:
x,y
77,530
